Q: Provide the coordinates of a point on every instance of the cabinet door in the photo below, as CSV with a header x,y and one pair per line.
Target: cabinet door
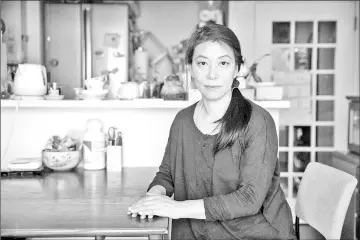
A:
x,y
63,45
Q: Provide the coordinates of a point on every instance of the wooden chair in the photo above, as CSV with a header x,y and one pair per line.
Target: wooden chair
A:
x,y
323,199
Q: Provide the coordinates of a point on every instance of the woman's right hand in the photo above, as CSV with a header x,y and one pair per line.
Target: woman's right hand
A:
x,y
155,190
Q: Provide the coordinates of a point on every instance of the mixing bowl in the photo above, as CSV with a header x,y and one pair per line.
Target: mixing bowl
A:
x,y
61,161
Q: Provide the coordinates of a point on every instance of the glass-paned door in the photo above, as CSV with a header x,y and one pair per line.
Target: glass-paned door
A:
x,y
309,44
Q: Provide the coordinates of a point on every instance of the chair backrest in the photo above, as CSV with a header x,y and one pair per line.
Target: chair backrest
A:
x,y
323,198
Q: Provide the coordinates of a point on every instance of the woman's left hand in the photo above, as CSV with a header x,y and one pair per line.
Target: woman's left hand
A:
x,y
159,205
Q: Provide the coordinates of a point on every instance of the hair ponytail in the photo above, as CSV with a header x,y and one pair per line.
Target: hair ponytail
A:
x,y
234,121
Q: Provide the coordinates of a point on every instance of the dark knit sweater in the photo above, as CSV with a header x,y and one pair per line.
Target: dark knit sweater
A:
x,y
241,190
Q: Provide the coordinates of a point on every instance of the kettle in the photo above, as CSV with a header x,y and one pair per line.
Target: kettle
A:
x,y
30,80
128,91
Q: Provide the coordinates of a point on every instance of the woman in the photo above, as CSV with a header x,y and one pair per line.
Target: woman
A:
x,y
220,161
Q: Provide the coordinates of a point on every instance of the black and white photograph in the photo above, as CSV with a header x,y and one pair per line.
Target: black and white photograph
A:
x,y
180,120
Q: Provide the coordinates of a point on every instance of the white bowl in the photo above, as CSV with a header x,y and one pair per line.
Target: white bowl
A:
x,y
93,95
61,161
95,84
54,97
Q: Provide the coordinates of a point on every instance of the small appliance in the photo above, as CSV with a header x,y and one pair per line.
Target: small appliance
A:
x,y
30,81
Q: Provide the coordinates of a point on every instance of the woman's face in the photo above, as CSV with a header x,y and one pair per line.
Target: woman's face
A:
x,y
213,69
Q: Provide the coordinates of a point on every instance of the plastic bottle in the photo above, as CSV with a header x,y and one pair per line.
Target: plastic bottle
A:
x,y
141,58
94,145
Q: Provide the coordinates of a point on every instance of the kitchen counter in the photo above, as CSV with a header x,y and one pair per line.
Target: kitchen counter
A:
x,y
109,104
144,124
77,204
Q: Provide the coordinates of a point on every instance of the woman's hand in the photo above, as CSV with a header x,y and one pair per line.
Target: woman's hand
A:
x,y
155,204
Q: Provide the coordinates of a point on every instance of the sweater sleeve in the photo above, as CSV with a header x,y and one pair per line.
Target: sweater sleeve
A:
x,y
164,177
256,173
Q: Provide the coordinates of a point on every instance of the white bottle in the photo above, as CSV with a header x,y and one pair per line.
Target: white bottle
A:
x,y
141,62
94,145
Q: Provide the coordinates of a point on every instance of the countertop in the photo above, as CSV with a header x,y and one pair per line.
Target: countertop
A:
x,y
119,104
80,203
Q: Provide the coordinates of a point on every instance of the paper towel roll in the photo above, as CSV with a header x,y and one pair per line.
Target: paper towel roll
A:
x,y
141,62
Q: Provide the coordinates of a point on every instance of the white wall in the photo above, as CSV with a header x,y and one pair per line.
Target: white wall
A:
x,y
169,21
145,131
242,21
356,71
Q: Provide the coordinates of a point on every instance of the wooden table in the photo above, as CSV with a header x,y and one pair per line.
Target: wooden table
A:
x,y
80,203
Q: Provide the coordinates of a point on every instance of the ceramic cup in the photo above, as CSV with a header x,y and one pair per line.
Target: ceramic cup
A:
x,y
95,84
53,92
77,93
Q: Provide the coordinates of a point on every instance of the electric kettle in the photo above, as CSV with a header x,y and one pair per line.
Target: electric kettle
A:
x,y
30,80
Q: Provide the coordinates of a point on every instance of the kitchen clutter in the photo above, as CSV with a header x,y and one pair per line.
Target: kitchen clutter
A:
x,y
94,89
173,89
155,73
139,90
62,154
23,165
255,87
30,82
98,149
101,150
54,92
5,83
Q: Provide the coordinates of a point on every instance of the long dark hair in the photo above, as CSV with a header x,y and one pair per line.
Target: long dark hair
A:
x,y
237,116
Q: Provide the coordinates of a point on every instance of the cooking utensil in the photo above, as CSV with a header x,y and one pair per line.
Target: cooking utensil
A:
x,y
112,135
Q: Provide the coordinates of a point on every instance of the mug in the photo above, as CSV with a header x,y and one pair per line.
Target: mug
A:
x,y
95,84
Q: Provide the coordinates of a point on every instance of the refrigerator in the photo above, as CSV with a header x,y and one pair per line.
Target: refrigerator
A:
x,y
84,41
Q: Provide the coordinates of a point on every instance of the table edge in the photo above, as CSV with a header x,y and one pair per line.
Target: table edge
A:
x,y
79,232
